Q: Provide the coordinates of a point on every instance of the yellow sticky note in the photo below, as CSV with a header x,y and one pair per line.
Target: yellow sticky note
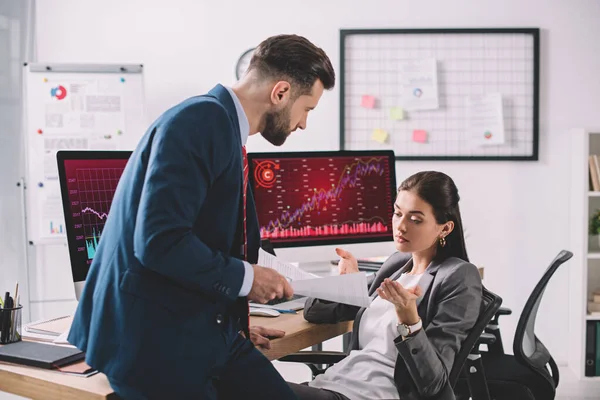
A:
x,y
397,113
379,135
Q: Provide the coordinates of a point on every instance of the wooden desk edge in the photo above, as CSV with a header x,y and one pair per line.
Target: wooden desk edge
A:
x,y
42,384
297,341
23,382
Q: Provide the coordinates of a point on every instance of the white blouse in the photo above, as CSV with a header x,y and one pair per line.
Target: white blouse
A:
x,y
368,373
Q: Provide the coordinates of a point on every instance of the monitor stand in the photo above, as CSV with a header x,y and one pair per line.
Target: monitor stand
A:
x,y
78,289
267,246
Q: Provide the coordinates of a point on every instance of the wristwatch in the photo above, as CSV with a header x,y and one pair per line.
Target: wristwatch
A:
x,y
405,330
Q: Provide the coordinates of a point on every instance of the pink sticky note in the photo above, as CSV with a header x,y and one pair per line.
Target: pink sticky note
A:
x,y
419,136
368,101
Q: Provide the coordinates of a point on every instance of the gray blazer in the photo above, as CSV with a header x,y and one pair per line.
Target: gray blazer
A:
x,y
449,307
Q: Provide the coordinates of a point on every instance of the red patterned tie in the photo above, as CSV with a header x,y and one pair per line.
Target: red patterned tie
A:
x,y
245,237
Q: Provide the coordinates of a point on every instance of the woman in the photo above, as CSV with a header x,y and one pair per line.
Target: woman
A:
x,y
426,299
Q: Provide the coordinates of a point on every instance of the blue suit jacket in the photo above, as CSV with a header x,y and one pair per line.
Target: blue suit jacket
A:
x,y
160,303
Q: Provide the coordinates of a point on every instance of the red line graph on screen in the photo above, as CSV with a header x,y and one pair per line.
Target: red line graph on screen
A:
x,y
95,188
289,225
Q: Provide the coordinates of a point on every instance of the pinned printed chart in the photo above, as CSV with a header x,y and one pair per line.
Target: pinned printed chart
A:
x,y
367,101
485,119
418,84
419,136
379,135
397,113
59,92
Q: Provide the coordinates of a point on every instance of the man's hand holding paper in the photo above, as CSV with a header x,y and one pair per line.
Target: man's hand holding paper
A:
x,y
350,288
269,284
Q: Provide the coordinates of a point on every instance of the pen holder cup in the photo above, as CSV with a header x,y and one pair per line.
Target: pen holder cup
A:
x,y
10,324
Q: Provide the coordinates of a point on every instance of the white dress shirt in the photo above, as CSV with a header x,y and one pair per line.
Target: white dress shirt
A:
x,y
245,132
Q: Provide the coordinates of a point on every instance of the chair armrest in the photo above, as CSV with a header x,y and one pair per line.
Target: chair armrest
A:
x,y
315,357
501,311
504,311
486,338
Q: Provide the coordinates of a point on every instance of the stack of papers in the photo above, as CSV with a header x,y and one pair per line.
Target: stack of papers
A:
x,y
347,289
53,330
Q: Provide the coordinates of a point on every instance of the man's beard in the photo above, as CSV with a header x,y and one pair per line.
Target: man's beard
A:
x,y
277,126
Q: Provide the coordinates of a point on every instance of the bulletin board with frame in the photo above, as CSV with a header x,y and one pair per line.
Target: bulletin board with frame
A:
x,y
479,75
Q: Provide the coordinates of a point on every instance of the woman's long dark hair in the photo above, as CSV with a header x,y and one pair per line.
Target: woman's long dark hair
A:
x,y
439,190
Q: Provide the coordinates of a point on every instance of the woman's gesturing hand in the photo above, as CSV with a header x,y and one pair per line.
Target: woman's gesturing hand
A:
x,y
348,263
405,300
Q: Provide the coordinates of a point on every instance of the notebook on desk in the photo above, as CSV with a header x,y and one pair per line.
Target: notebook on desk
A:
x,y
40,355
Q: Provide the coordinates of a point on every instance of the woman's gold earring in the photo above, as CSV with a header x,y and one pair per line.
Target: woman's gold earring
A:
x,y
442,241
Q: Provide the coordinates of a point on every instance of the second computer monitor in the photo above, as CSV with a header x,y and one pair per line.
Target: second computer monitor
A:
x,y
319,198
88,180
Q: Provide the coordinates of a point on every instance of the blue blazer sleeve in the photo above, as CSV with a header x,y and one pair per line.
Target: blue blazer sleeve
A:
x,y
189,152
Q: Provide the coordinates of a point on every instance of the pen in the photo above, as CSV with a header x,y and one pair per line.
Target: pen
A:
x,y
14,313
16,295
5,319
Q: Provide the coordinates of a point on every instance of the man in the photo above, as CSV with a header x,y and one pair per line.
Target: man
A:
x,y
166,295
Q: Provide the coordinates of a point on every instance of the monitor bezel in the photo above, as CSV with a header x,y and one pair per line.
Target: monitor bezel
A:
x,y
334,153
66,155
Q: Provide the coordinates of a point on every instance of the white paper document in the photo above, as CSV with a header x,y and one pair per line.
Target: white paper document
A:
x,y
288,270
418,85
93,107
52,145
348,289
486,119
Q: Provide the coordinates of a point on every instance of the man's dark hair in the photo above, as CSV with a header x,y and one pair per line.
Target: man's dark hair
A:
x,y
295,58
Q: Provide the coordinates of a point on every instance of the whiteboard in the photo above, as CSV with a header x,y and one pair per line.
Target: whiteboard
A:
x,y
476,78
73,107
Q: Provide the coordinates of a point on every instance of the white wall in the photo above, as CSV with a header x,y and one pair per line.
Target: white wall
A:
x,y
516,214
13,39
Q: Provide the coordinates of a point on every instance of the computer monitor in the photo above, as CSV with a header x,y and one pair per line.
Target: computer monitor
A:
x,y
324,198
88,180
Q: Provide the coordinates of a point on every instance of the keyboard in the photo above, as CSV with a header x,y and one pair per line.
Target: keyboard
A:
x,y
364,265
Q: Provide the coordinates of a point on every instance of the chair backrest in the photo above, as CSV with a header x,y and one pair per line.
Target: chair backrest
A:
x,y
527,348
490,303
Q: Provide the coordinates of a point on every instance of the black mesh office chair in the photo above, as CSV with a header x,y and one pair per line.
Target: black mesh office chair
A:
x,y
531,373
319,361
